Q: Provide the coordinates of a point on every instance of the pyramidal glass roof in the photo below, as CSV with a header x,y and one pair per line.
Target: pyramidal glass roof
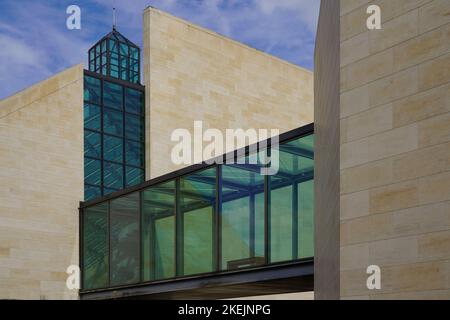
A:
x,y
116,35
116,56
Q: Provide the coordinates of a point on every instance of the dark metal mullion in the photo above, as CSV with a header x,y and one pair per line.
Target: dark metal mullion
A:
x,y
294,221
252,222
267,216
81,245
217,230
124,183
108,58
102,132
141,269
109,243
179,232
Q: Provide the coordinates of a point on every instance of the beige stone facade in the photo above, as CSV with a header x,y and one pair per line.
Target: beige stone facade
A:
x,y
191,73
41,184
395,149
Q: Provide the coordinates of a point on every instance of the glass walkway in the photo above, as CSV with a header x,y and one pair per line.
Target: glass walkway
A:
x,y
202,222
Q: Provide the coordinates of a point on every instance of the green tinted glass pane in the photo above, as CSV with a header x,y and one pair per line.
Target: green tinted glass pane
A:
x,y
197,197
134,77
114,71
134,127
91,192
158,232
281,224
134,153
92,90
123,49
92,173
241,230
113,176
291,224
134,101
134,65
95,247
134,53
92,147
125,240
114,59
103,46
97,50
107,191
91,54
123,62
113,148
112,95
306,219
133,176
123,74
113,122
92,118
113,46
92,65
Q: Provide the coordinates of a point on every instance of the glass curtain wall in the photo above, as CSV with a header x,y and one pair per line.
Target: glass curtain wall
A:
x,y
223,217
113,136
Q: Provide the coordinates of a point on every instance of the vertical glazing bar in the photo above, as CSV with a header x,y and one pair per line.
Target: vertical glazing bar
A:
x,y
109,242
124,155
102,165
252,223
81,246
267,215
217,220
179,232
141,271
294,220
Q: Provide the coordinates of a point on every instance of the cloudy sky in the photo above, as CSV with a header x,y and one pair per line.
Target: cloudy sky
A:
x,y
35,42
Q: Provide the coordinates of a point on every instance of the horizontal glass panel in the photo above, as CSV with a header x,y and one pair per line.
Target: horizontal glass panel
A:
x,y
92,90
95,247
113,95
113,122
113,148
197,206
125,240
134,101
92,171
107,191
113,175
91,192
92,117
158,232
92,144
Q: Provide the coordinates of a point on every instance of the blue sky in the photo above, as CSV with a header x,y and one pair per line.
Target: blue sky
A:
x,y
35,42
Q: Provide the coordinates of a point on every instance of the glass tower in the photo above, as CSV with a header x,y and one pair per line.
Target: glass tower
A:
x,y
114,122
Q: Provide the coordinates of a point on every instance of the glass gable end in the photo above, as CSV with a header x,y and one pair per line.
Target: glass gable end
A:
x,y
208,219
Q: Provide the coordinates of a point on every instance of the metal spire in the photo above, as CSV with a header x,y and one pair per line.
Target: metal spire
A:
x,y
114,18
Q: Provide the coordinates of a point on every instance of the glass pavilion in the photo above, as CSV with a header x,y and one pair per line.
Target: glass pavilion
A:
x,y
203,220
